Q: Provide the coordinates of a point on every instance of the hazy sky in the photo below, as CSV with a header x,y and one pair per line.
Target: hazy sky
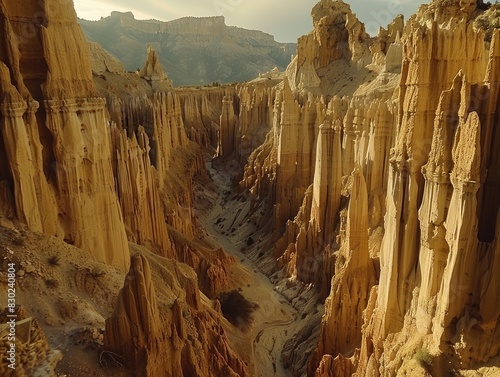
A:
x,y
285,19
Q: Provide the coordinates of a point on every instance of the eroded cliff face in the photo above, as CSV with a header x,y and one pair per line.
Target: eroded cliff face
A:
x,y
439,230
415,123
318,140
193,50
155,163
103,159
55,139
170,333
376,158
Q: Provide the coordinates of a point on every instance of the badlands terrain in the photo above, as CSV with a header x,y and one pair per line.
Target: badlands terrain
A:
x,y
340,217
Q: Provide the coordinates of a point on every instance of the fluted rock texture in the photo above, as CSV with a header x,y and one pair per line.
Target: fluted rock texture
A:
x,y
133,328
54,132
175,337
416,123
95,172
352,282
155,162
441,177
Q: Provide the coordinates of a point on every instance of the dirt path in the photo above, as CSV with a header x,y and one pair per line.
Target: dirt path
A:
x,y
275,319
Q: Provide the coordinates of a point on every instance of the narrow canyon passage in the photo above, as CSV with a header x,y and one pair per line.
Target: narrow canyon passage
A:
x,y
275,320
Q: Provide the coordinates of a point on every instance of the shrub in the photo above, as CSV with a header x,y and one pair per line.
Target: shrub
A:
x,y
18,241
424,358
51,283
96,272
54,260
236,308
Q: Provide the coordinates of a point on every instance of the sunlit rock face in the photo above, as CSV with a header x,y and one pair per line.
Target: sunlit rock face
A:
x,y
378,159
176,336
420,131
57,152
90,160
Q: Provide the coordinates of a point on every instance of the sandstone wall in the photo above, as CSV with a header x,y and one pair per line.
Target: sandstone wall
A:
x,y
55,133
171,333
419,130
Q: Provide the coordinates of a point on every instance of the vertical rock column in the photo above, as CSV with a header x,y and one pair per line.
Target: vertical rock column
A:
x,y
90,212
227,131
461,225
327,181
137,187
20,157
432,212
351,285
134,327
295,155
425,75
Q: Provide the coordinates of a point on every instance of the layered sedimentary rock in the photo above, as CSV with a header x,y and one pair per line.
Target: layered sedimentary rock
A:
x,y
152,331
351,285
297,154
54,131
193,50
436,241
154,165
419,124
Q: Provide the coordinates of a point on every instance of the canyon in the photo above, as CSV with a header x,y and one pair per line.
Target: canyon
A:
x,y
349,203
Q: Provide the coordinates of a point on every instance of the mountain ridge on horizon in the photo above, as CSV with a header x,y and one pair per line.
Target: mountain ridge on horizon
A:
x,y
193,50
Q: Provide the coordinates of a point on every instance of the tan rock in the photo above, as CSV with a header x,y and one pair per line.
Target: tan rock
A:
x,y
354,277
154,72
174,336
103,61
228,129
61,166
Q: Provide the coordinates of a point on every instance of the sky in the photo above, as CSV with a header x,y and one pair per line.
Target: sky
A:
x,y
285,19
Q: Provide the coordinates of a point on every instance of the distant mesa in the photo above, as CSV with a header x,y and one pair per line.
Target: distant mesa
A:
x,y
122,14
193,50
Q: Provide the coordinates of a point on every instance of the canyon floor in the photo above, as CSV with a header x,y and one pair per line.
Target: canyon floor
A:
x,y
231,224
70,297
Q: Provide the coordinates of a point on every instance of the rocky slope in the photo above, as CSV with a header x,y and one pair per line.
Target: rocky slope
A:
x,y
98,161
364,183
195,51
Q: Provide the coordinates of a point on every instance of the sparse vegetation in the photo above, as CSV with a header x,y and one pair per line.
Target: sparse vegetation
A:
x,y
51,283
236,308
18,241
54,260
250,241
96,273
489,21
424,358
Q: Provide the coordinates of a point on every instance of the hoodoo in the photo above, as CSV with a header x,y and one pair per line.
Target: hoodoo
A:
x,y
335,217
